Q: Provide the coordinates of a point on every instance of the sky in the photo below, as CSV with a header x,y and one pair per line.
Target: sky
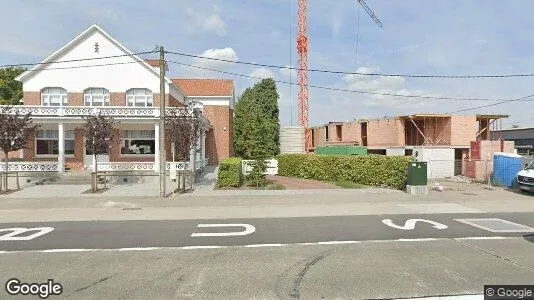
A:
x,y
443,37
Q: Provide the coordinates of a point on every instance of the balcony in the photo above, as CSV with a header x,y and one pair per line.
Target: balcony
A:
x,y
81,111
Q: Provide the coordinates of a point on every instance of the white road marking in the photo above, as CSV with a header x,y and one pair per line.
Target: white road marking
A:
x,y
417,240
473,222
139,249
410,224
251,245
338,242
483,238
199,247
66,250
13,233
265,245
248,230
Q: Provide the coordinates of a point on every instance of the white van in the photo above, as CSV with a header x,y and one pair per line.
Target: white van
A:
x,y
525,178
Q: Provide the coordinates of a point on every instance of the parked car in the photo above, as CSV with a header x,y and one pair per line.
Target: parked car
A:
x,y
525,178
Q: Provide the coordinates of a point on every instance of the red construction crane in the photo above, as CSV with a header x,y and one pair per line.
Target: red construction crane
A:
x,y
302,74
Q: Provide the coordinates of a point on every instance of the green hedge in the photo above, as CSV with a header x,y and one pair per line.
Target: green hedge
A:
x,y
230,173
371,170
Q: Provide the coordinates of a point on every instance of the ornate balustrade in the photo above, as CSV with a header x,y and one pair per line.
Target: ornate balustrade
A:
x,y
30,167
80,111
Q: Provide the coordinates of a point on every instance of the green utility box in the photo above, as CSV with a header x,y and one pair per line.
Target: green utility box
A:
x,y
417,173
341,150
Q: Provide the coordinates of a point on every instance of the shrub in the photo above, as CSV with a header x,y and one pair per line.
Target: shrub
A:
x,y
230,173
372,170
257,176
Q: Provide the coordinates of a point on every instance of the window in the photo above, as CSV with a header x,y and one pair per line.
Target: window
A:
x,y
47,142
53,96
96,97
138,142
139,97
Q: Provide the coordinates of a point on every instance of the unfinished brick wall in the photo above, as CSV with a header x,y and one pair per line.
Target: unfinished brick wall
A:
x,y
463,130
385,132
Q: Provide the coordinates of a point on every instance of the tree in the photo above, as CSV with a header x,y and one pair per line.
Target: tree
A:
x,y
15,132
259,151
182,129
10,89
99,134
257,106
243,124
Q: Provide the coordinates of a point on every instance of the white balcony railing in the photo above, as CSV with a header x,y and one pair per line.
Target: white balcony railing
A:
x,y
147,166
30,167
80,111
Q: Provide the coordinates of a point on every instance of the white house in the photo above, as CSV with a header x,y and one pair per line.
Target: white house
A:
x,y
95,73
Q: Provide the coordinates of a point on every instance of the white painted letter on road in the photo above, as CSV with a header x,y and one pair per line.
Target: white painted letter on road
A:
x,y
410,224
248,230
13,233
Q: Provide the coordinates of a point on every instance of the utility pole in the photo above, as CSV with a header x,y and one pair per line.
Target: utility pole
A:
x,y
162,152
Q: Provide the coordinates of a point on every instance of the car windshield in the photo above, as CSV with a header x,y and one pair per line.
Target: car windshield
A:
x,y
530,166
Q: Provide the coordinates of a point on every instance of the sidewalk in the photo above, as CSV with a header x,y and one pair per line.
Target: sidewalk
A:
x,y
267,204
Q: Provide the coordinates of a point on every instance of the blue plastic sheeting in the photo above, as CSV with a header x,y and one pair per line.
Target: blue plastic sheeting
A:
x,y
505,169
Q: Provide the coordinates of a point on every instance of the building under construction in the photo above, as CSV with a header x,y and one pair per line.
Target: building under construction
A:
x,y
447,142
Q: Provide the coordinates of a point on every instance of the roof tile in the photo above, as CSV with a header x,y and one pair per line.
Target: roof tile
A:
x,y
205,87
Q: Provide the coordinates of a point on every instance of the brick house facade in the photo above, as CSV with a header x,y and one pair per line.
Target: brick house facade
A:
x,y
119,83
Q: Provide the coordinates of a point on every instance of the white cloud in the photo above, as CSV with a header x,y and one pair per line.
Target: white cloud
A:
x,y
287,71
228,54
262,73
214,23
209,21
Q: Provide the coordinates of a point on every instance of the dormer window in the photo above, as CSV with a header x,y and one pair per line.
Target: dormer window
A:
x,y
54,96
96,97
139,97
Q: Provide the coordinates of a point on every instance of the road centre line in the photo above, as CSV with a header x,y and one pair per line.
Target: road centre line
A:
x,y
252,245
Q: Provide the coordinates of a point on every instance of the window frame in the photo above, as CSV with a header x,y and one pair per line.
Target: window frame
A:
x,y
105,96
48,92
67,138
125,137
148,97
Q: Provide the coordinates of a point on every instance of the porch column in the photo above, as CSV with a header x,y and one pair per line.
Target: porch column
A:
x,y
156,139
61,148
203,144
192,158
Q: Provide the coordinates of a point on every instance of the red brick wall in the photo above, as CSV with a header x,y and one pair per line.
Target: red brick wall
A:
x,y
386,132
32,98
463,130
75,99
29,150
219,139
117,99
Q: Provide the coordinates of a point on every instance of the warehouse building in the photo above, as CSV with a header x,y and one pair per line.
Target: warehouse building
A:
x,y
523,139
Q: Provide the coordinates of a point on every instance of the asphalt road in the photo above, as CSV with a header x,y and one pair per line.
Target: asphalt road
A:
x,y
184,233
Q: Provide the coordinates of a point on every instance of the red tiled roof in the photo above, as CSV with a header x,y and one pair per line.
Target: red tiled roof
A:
x,y
153,62
205,87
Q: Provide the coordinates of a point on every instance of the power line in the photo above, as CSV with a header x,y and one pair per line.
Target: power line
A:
x,y
74,60
494,104
355,73
343,90
85,66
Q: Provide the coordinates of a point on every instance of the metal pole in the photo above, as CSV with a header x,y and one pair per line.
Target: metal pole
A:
x,y
162,154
